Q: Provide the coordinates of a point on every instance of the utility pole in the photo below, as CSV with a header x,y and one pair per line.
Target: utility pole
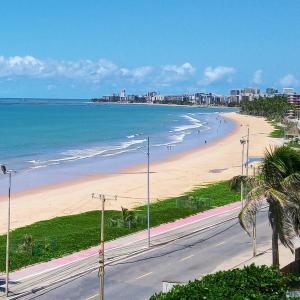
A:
x,y
101,250
254,236
247,166
148,190
242,141
254,217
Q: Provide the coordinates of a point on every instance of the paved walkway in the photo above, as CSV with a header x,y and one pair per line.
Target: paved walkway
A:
x,y
120,242
263,257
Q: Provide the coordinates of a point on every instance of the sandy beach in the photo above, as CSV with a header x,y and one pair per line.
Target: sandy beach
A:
x,y
217,161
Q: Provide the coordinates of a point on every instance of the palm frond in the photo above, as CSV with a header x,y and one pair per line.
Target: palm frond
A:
x,y
236,181
282,217
254,202
292,182
277,197
257,193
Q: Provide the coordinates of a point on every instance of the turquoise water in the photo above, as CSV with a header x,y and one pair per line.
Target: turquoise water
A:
x,y
51,140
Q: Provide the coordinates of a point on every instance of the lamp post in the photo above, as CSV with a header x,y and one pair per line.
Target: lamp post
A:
x,y
243,142
148,189
247,166
9,173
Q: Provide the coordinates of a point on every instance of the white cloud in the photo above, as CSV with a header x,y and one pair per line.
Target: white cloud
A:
x,y
138,73
174,73
18,65
257,77
94,71
184,69
214,74
289,80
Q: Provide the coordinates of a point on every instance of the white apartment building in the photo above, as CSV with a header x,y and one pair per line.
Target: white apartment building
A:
x,y
288,91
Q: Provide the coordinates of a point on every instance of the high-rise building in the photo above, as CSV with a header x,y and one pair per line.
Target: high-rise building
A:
x,y
271,91
288,91
123,94
235,92
250,93
295,100
235,96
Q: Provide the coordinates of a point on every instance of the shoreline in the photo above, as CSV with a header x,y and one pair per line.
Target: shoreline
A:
x,y
173,176
167,104
136,168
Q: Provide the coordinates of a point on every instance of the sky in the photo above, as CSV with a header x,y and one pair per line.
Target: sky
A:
x,y
89,48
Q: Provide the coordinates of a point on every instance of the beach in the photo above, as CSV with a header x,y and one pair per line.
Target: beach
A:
x,y
215,161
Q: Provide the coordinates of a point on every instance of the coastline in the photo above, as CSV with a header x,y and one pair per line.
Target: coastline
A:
x,y
136,168
173,176
161,104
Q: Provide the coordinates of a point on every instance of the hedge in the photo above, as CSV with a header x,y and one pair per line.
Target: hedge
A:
x,y
251,282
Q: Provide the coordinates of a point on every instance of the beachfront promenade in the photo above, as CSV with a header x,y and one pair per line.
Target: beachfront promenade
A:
x,y
180,251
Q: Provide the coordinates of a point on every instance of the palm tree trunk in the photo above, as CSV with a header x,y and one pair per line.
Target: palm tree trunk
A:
x,y
275,250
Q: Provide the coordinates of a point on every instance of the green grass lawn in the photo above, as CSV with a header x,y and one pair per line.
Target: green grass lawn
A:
x,y
278,131
64,235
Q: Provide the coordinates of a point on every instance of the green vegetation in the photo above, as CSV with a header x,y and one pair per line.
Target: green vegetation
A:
x,y
249,283
278,184
176,102
294,145
53,238
273,108
278,131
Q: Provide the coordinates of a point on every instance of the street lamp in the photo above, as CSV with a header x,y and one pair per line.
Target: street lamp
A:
x,y
243,142
148,188
9,173
247,169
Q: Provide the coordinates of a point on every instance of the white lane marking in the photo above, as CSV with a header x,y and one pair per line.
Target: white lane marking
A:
x,y
92,297
222,243
122,246
144,275
187,257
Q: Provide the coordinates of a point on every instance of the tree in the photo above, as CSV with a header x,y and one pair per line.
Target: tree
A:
x,y
272,108
278,184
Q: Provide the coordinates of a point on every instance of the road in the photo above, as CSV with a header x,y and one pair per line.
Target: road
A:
x,y
181,255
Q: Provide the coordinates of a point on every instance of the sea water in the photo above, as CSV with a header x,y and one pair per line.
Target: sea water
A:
x,y
49,141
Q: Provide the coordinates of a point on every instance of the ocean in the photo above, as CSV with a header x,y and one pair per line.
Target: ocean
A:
x,y
49,141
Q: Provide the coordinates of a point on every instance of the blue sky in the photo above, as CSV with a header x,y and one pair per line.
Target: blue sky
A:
x,y
87,48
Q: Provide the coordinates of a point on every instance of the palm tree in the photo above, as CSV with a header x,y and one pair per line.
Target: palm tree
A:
x,y
274,108
278,184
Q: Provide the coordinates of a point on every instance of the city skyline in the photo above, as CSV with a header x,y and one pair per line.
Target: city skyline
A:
x,y
84,50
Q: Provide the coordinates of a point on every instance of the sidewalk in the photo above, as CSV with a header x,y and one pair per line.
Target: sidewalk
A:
x,y
120,242
263,257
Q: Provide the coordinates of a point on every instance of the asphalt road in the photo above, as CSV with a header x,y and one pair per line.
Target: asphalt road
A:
x,y
185,258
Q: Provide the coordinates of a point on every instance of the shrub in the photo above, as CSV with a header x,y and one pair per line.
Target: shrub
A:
x,y
249,283
128,219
